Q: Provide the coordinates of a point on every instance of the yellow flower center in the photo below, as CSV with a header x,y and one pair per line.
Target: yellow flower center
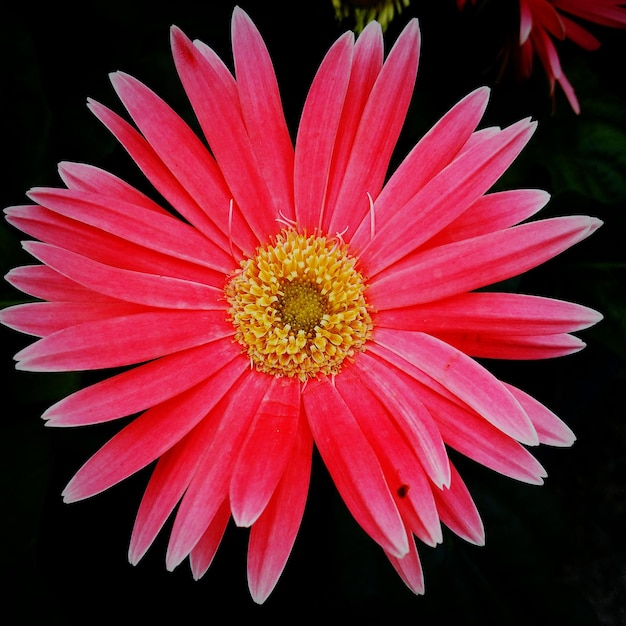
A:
x,y
298,306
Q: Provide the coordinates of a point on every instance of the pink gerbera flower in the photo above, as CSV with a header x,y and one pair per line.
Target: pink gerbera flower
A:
x,y
287,298
541,21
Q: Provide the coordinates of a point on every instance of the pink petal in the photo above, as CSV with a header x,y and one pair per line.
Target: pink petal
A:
x,y
144,386
43,282
570,94
83,177
466,265
458,511
409,568
431,154
550,429
272,536
492,212
262,112
201,210
150,435
170,478
101,246
471,383
606,12
354,468
191,163
526,21
380,123
128,285
579,35
209,485
317,133
525,347
120,341
131,222
264,454
471,435
203,552
397,394
45,318
366,64
212,92
439,202
546,16
491,313
403,471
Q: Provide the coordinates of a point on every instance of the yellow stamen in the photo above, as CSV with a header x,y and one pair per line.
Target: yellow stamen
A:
x,y
298,306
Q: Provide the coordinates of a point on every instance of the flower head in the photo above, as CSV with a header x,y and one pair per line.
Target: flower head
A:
x,y
281,297
543,21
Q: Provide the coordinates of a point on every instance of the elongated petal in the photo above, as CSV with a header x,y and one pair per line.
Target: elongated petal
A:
x,y
204,551
458,511
134,223
128,285
272,536
398,395
429,156
88,178
367,62
45,318
468,433
551,430
493,313
317,133
464,429
144,386
162,127
401,465
170,478
439,202
519,348
119,341
466,265
41,281
492,212
209,486
104,247
379,127
262,112
149,436
212,92
203,211
354,468
409,568
265,451
465,378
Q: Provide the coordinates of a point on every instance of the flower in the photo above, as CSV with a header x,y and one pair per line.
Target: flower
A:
x,y
541,21
365,11
282,297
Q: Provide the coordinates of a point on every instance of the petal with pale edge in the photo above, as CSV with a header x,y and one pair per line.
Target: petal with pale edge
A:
x,y
354,468
209,485
473,263
265,451
464,378
272,536
150,435
143,386
407,480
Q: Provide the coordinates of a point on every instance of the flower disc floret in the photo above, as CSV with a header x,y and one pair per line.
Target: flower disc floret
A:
x,y
298,306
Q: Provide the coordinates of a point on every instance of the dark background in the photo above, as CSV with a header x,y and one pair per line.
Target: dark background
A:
x,y
554,554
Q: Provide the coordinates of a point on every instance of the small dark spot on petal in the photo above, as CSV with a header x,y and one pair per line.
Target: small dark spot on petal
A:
x,y
403,490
